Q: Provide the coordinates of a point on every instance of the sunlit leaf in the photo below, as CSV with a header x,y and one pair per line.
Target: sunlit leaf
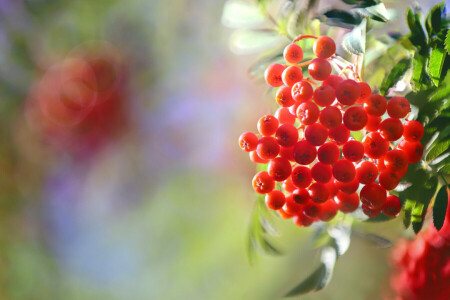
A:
x,y
440,207
438,149
437,58
376,12
245,41
241,14
397,72
355,41
447,42
433,21
417,36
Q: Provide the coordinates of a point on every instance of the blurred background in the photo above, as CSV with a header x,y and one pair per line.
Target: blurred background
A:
x,y
120,172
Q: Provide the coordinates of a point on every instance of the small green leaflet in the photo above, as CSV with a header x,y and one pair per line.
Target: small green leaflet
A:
x,y
435,64
409,204
433,21
418,68
447,42
440,207
355,41
417,37
341,18
376,12
397,72
438,149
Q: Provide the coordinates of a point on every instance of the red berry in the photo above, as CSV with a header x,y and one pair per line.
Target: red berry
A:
x,y
375,105
339,134
333,80
332,188
365,92
291,207
301,196
284,97
353,150
308,113
288,186
347,187
324,95
324,47
321,172
272,74
413,150
344,170
284,116
286,135
293,108
330,117
373,195
311,209
318,192
302,91
268,147
302,221
402,172
398,107
389,179
248,141
369,211
279,169
348,91
287,152
392,206
319,69
263,183
304,152
293,53
328,210
275,200
355,118
375,146
283,214
316,134
396,160
301,177
347,203
366,172
328,153
391,129
267,125
291,75
373,123
413,131
254,157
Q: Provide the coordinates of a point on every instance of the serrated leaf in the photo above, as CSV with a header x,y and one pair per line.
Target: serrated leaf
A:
x,y
355,41
397,72
418,70
408,213
376,12
417,225
435,63
341,18
245,41
447,42
241,14
437,149
433,21
441,93
440,207
417,36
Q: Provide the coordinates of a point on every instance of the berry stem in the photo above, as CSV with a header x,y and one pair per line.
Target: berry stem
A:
x,y
305,63
302,36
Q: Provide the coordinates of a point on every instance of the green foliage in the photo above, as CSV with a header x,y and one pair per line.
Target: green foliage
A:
x,y
355,41
440,207
397,72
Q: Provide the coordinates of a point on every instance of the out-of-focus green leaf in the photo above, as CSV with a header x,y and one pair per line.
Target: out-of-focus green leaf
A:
x,y
241,14
433,20
440,207
374,239
380,218
342,18
397,72
437,149
409,204
445,170
437,58
245,41
258,67
376,12
355,41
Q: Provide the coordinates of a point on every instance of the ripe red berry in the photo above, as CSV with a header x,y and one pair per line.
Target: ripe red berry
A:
x,y
355,118
304,152
370,211
291,207
392,206
330,117
339,134
375,105
413,131
347,187
396,160
321,172
366,172
402,172
328,210
308,113
353,150
288,186
272,74
248,141
267,125
373,195
283,214
347,203
413,150
324,47
268,147
344,170
391,129
328,153
302,220
324,95
366,91
333,80
284,116
293,53
286,135
375,146
301,196
311,209
263,183
279,169
291,75
284,97
332,188
398,107
389,179
287,152
254,157
301,177
293,108
316,134
373,123
302,91
348,91
319,69
318,192
275,200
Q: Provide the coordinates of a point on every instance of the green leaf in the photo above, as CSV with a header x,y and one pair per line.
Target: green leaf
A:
x,y
447,42
409,204
419,63
376,12
417,36
433,21
435,64
342,18
374,239
441,93
245,41
445,170
438,149
440,207
397,72
380,218
241,14
355,41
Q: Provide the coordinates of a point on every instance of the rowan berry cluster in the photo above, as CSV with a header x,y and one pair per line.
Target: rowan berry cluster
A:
x,y
307,143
